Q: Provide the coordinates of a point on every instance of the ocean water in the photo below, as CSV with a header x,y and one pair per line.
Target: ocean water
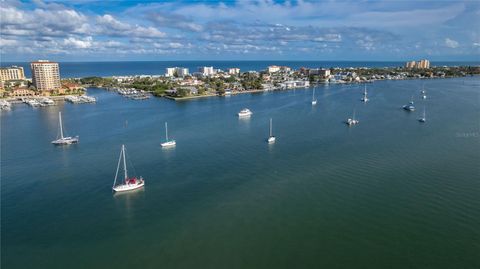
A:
x,y
85,69
388,193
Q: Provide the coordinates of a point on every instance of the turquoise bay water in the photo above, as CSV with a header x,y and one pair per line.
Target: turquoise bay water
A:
x,y
388,193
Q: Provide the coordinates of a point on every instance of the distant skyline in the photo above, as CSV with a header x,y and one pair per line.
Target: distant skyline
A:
x,y
89,30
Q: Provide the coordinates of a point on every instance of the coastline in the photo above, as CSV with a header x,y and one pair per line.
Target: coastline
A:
x,y
186,98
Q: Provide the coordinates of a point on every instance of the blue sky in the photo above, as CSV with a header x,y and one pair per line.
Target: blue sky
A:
x,y
88,30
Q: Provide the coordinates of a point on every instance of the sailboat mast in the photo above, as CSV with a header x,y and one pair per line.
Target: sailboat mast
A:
x,y
166,131
124,162
313,95
270,126
118,167
60,123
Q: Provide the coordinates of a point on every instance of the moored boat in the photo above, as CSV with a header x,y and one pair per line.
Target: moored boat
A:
x,y
128,184
61,139
245,113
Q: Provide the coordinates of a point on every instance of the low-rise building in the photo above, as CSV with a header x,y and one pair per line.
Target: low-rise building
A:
x,y
273,69
22,92
319,72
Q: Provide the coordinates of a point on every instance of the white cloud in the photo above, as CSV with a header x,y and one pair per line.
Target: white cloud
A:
x,y
451,43
329,38
8,43
77,43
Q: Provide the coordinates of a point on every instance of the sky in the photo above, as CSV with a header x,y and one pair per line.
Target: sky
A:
x,y
356,30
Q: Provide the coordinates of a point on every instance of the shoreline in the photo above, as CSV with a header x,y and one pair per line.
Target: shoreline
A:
x,y
288,89
15,100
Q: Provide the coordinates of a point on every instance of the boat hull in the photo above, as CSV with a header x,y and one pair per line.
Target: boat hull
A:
x,y
65,141
168,144
271,140
128,187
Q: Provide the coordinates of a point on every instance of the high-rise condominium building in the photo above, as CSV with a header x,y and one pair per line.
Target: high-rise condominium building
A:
x,y
206,70
11,73
233,71
45,75
179,71
422,64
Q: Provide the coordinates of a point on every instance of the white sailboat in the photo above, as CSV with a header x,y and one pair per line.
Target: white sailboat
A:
x,y
271,138
64,140
423,118
410,106
168,143
128,184
314,100
365,98
352,121
424,94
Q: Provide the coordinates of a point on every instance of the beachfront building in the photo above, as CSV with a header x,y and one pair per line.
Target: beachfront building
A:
x,y
170,71
176,71
422,64
319,72
45,75
206,71
410,64
233,71
182,72
273,69
11,73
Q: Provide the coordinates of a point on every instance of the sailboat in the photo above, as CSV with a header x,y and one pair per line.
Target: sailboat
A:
x,y
271,138
365,98
352,121
64,140
128,184
314,100
168,143
410,106
424,94
423,119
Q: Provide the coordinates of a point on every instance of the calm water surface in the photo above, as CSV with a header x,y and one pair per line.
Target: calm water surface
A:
x,y
388,193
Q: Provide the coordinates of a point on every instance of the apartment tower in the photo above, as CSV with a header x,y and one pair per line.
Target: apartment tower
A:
x,y
45,75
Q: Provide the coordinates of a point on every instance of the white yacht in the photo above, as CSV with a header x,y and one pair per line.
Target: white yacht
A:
x,y
44,101
128,184
314,100
5,105
271,138
168,143
423,118
87,99
352,121
365,98
245,113
33,103
64,140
